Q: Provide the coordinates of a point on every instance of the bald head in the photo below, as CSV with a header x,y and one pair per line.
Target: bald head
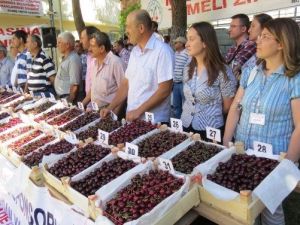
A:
x,y
141,16
138,27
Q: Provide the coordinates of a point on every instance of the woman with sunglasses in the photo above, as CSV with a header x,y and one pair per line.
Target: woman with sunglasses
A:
x,y
266,107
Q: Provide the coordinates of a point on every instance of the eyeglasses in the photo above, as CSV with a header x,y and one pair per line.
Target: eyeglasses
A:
x,y
266,37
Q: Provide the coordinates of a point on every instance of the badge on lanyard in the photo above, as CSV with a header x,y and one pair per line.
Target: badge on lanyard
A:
x,y
257,118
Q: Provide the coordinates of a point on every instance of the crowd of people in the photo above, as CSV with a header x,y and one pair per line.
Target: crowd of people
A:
x,y
252,93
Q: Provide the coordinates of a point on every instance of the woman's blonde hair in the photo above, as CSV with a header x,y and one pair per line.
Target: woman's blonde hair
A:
x,y
287,33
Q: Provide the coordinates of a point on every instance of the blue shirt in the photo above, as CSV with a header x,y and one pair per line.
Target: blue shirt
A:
x,y
181,60
6,66
269,95
250,64
203,106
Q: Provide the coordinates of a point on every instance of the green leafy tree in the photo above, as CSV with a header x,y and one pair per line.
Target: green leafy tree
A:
x,y
124,14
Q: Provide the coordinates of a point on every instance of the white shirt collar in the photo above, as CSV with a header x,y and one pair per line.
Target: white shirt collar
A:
x,y
149,46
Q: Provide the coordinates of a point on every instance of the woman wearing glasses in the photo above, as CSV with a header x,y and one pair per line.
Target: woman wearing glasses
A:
x,y
266,107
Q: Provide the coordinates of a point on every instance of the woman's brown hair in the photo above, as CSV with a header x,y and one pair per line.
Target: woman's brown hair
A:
x,y
262,18
213,60
286,31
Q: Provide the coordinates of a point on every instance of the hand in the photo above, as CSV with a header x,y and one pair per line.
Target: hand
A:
x,y
133,115
104,113
226,143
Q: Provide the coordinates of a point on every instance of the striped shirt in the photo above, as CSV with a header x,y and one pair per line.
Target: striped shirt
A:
x,y
269,95
40,68
203,104
84,66
237,56
250,64
21,69
125,55
181,59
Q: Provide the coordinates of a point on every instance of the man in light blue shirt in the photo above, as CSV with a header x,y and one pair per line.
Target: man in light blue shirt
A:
x,y
68,76
6,66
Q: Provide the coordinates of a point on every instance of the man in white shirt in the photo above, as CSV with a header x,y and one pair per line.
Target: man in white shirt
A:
x,y
148,78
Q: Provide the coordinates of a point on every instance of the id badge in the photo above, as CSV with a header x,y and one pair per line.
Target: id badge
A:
x,y
257,118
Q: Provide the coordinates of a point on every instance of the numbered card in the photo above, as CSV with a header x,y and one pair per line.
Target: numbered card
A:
x,y
149,117
95,106
43,95
166,164
213,134
7,87
52,97
113,116
176,125
21,90
56,133
103,136
14,89
71,137
131,149
65,102
261,148
44,125
31,93
80,106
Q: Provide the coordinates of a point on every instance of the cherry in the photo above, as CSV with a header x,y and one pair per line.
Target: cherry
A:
x,y
242,172
194,155
51,114
79,160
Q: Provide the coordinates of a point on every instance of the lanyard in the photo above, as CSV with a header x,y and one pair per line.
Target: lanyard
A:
x,y
265,82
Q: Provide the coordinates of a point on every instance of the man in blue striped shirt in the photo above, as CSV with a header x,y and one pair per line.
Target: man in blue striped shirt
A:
x,y
181,60
18,41
41,72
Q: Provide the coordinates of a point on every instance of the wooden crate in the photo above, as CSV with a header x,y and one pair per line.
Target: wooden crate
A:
x,y
53,181
62,186
189,201
36,174
12,156
245,208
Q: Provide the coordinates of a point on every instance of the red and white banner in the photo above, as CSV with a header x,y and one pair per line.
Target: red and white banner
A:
x,y
6,33
22,7
210,10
